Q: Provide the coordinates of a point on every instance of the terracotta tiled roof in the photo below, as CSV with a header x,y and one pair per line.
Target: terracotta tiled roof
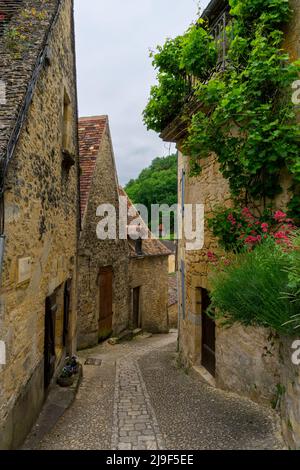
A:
x,y
91,131
173,292
151,246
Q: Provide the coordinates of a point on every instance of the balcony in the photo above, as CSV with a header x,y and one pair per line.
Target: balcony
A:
x,y
218,17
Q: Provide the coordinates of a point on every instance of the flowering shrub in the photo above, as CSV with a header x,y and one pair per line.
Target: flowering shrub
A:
x,y
239,229
258,287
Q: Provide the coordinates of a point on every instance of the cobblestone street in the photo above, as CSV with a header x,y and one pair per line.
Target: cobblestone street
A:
x,y
137,398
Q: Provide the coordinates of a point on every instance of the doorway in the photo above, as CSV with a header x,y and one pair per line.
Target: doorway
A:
x,y
67,304
208,336
136,318
49,345
105,302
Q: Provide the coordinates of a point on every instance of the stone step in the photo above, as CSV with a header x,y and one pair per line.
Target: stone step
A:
x,y
137,332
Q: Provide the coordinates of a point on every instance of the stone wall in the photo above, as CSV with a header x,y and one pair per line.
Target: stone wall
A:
x,y
289,393
95,253
209,189
150,273
41,218
247,362
247,359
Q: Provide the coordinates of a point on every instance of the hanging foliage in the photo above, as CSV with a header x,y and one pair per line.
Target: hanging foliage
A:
x,y
249,120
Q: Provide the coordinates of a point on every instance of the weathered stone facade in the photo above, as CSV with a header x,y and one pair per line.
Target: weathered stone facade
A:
x,y
41,217
134,279
150,275
251,361
94,254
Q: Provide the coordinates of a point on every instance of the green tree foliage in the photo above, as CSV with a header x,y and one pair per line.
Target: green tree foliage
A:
x,y
156,184
194,53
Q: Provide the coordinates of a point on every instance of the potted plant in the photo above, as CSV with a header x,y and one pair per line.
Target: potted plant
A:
x,y
72,363
66,377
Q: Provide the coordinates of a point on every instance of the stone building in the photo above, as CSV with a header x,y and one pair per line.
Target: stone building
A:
x,y
235,358
115,280
148,277
39,206
171,246
103,296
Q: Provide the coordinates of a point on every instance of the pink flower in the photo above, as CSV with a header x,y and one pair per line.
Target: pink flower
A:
x,y
212,257
231,219
279,216
280,235
246,213
252,240
265,227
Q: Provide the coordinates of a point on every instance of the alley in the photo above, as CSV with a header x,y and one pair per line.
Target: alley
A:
x,y
134,396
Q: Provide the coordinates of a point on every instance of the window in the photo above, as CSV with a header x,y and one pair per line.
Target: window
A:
x,y
67,124
182,191
68,157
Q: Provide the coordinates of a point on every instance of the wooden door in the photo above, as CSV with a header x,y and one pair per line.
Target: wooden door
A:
x,y
106,302
67,304
136,307
208,336
49,345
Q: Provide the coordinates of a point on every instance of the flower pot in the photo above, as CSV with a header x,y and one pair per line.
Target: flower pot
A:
x,y
75,369
65,381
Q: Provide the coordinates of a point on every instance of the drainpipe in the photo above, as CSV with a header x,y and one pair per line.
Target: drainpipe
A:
x,y
2,243
179,312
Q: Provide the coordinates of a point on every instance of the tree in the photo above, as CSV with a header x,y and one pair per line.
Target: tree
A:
x,y
156,184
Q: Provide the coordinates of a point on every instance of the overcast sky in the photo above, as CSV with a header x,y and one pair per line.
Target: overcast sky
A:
x,y
113,38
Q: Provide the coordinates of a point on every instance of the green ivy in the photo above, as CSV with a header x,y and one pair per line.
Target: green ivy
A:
x,y
247,119
194,53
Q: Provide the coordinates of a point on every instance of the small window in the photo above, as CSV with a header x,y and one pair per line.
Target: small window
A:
x,y
67,124
68,157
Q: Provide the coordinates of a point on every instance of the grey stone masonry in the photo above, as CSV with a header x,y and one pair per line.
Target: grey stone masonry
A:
x,y
135,426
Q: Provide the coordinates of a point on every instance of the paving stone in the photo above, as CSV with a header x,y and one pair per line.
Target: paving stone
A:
x,y
126,404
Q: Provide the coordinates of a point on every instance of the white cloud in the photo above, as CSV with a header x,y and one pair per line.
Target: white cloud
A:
x,y
114,70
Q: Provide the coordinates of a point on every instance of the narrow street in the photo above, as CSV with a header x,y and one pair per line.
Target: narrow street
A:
x,y
136,397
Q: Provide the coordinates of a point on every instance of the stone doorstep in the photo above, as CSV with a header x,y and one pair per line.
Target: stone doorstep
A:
x,y
137,332
59,399
204,374
128,335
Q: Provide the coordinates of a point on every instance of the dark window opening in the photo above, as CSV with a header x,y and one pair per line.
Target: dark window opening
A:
x,y
139,247
68,158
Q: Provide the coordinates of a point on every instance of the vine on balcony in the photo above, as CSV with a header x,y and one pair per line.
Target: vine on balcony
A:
x,y
248,119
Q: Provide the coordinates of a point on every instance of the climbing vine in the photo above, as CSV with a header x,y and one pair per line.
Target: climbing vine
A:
x,y
247,116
